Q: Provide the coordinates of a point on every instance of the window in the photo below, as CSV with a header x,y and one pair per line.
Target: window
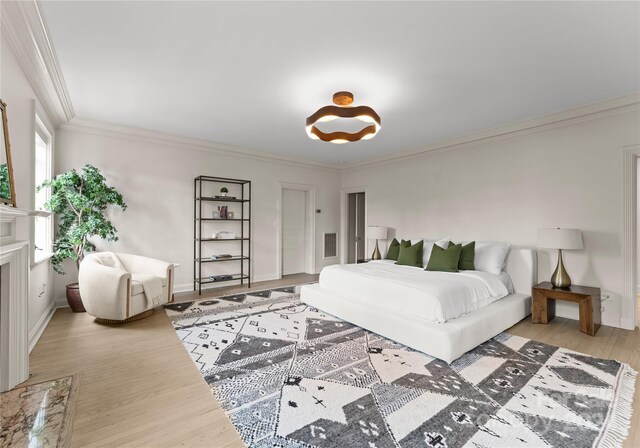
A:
x,y
43,227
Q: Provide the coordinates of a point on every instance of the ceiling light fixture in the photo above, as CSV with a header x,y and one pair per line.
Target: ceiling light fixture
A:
x,y
343,109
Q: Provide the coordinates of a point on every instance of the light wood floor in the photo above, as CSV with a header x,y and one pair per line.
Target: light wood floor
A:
x,y
138,386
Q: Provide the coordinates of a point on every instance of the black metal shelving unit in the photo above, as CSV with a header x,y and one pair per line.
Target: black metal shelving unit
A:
x,y
244,221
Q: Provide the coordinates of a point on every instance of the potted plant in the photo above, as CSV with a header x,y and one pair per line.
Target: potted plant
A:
x,y
224,191
80,200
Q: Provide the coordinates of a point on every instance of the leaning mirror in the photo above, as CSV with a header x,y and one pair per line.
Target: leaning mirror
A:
x,y
7,189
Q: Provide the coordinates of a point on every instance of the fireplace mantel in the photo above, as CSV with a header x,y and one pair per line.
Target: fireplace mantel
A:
x,y
14,298
8,217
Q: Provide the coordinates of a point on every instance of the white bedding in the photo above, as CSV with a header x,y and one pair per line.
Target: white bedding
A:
x,y
432,296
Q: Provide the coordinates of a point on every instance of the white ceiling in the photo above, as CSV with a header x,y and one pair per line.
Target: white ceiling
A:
x,y
248,74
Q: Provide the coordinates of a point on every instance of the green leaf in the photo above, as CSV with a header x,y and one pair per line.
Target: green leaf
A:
x,y
80,199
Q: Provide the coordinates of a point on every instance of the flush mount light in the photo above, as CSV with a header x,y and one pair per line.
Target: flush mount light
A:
x,y
343,109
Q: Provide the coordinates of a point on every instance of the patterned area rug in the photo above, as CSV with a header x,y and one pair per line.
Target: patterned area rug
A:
x,y
289,375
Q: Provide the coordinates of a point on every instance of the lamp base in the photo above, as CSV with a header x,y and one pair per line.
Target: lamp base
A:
x,y
560,278
376,253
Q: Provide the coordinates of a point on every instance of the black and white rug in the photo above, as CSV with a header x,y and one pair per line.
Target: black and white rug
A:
x,y
289,375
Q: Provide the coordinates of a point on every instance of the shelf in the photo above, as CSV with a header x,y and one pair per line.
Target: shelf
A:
x,y
218,219
205,191
206,280
214,260
223,180
221,239
212,199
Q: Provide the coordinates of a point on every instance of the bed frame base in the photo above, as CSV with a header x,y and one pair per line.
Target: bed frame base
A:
x,y
446,341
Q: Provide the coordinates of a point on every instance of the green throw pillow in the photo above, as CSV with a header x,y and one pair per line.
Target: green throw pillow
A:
x,y
411,255
445,260
467,256
394,249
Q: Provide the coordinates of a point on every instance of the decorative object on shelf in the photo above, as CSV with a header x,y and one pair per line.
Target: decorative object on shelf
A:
x,y
224,235
80,199
343,109
376,233
224,191
7,186
240,237
561,239
219,278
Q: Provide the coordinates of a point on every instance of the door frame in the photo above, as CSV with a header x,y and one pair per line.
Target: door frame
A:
x,y
344,218
628,305
310,225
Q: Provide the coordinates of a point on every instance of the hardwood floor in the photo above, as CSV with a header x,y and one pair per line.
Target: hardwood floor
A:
x,y
138,386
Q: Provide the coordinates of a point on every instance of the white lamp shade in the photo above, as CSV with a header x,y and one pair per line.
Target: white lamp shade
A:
x,y
377,233
560,238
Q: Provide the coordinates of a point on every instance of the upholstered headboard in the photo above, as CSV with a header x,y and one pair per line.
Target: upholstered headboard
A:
x,y
522,267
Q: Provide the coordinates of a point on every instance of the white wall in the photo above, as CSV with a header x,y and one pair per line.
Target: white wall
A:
x,y
156,179
21,102
506,189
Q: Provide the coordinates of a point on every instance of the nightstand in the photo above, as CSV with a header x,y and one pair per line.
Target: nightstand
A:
x,y
543,304
363,260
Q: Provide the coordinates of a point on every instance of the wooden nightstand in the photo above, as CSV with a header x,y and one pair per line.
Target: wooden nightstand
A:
x,y
543,304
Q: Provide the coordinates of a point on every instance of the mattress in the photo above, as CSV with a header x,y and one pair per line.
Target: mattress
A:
x,y
428,296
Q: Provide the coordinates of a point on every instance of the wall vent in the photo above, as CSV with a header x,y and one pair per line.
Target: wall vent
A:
x,y
330,245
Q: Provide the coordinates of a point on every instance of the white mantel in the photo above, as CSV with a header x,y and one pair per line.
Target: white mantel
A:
x,y
8,216
14,299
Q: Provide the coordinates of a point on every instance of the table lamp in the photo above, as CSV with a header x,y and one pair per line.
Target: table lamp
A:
x,y
567,239
376,233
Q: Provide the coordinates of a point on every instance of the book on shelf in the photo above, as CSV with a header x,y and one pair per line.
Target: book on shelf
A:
x,y
217,278
221,256
224,197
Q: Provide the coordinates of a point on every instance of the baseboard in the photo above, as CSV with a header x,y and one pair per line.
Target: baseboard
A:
x,y
34,335
183,287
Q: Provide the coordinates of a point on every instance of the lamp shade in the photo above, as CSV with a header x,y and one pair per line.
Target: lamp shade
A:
x,y
560,238
377,233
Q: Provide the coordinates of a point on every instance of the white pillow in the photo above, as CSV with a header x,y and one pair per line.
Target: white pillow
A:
x,y
427,248
490,256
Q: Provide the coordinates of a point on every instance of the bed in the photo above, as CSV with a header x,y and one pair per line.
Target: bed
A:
x,y
397,302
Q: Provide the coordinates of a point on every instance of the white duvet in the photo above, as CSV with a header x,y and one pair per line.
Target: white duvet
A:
x,y
432,296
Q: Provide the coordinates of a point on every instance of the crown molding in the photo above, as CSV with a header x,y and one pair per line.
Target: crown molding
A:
x,y
601,109
614,106
25,29
158,138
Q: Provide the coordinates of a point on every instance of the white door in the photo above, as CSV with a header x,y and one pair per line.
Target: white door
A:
x,y
294,212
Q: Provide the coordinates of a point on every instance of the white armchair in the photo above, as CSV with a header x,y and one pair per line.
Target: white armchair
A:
x,y
115,287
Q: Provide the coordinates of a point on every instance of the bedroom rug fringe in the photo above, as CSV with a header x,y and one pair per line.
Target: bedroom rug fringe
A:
x,y
619,417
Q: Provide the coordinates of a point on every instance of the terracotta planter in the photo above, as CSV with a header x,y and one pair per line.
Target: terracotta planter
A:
x,y
73,298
